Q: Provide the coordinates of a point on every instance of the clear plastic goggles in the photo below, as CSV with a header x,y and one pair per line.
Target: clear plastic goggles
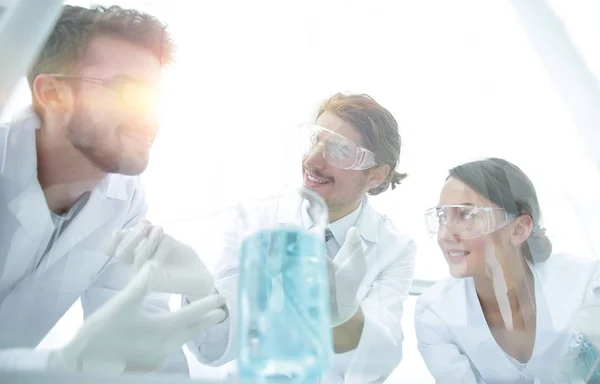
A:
x,y
337,150
466,221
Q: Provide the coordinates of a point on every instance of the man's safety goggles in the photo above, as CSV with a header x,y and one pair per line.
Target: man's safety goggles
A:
x,y
337,150
466,221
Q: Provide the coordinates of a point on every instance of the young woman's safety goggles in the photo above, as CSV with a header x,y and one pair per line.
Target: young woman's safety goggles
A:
x,y
337,150
465,221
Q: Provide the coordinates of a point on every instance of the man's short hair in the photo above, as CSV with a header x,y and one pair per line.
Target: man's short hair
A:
x,y
67,45
377,127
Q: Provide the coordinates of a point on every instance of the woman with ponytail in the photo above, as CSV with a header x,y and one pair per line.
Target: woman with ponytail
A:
x,y
507,313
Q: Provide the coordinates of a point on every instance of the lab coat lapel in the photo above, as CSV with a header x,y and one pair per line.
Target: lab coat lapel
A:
x,y
461,312
557,288
343,254
560,289
96,212
454,311
26,200
368,223
23,194
31,210
367,228
479,343
369,236
34,230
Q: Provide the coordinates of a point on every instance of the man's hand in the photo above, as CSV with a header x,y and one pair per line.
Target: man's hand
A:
x,y
120,335
181,270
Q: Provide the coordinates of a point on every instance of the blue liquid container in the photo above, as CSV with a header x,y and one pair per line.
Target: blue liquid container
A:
x,y
582,361
284,323
587,361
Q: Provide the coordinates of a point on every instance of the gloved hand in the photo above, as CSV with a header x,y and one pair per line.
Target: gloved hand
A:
x,y
181,270
120,335
345,276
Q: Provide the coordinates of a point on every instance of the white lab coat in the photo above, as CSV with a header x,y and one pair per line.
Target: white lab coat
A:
x,y
390,258
458,347
33,298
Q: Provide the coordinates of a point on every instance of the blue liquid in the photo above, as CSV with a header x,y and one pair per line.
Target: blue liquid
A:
x,y
284,324
587,361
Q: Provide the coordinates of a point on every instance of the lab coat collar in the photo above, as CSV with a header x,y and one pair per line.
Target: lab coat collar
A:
x,y
20,158
93,215
367,228
113,187
459,309
339,228
26,200
367,224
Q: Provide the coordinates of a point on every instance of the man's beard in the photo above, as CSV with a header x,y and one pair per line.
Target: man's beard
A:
x,y
88,137
340,203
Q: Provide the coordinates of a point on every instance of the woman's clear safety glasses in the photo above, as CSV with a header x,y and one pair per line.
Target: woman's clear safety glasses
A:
x,y
465,221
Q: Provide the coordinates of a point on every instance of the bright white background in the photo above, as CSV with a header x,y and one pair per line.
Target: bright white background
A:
x,y
460,77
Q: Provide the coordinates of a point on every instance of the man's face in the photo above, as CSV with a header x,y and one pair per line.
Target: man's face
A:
x,y
111,127
340,188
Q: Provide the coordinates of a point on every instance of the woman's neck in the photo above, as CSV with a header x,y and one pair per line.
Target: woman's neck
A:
x,y
507,287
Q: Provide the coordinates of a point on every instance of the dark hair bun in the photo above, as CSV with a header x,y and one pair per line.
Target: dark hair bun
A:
x,y
540,246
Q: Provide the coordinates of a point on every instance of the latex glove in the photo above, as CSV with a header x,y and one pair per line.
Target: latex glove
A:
x,y
345,278
181,270
120,335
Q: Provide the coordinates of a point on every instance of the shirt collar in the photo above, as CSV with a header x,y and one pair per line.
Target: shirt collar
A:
x,y
340,227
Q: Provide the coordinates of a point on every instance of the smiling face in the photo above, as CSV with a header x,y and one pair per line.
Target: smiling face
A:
x,y
342,189
494,229
99,121
111,134
473,256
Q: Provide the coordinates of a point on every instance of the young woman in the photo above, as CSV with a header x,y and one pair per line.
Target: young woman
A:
x,y
506,314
